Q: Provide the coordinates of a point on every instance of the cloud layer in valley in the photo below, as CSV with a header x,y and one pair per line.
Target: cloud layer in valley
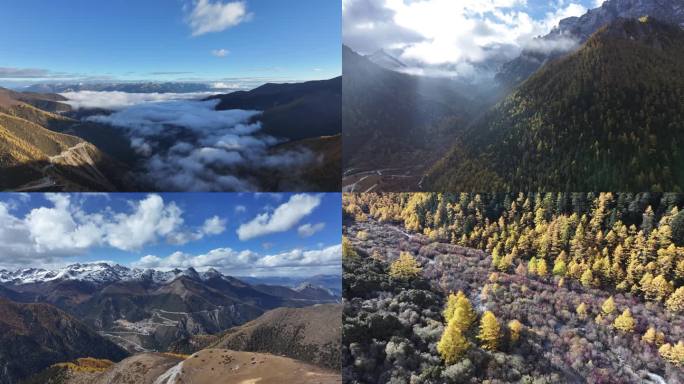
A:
x,y
120,100
187,145
447,37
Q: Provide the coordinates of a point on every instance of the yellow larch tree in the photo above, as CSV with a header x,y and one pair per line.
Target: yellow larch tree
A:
x,y
676,301
608,306
405,267
625,322
581,311
515,327
490,331
453,344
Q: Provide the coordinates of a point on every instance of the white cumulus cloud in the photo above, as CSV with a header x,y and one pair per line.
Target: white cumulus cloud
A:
x,y
447,37
234,262
282,219
215,16
308,229
64,229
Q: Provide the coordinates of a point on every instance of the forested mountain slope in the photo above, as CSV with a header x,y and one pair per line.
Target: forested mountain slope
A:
x,y
607,117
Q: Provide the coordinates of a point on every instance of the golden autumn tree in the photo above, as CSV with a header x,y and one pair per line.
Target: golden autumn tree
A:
x,y
673,354
348,251
532,266
559,267
608,306
655,288
587,278
581,311
452,344
405,267
676,301
490,331
450,306
649,336
542,269
464,314
515,327
625,322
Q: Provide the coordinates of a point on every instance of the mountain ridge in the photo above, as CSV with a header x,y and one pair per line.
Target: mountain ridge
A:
x,y
579,29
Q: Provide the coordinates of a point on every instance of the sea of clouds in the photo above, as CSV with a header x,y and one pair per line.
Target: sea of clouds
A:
x,y
187,145
119,100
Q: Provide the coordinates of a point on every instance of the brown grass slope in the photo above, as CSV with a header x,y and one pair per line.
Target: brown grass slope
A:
x,y
311,334
34,157
212,366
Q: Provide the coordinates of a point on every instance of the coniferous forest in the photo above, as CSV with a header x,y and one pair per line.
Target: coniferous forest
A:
x,y
514,288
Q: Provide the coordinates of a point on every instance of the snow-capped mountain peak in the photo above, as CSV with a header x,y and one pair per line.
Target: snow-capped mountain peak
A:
x,y
100,273
92,272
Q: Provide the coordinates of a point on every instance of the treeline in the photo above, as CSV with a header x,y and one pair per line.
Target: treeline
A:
x,y
619,242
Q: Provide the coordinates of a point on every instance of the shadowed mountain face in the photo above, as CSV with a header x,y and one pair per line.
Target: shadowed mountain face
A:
x,y
579,29
293,111
393,121
149,310
607,117
34,336
308,115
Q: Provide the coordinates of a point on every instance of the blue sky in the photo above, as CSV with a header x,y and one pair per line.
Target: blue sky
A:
x,y
538,9
239,234
171,39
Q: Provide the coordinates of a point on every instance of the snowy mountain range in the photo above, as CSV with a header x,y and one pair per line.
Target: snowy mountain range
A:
x,y
100,273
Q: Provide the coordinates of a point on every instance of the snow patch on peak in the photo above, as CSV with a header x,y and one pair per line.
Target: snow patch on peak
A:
x,y
100,273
